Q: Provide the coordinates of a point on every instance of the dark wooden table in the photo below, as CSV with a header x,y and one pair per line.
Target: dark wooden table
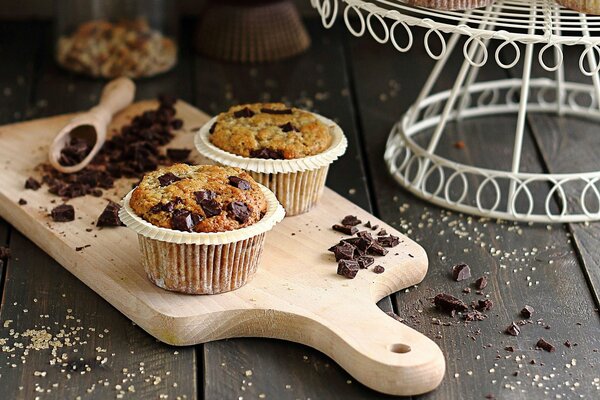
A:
x,y
365,87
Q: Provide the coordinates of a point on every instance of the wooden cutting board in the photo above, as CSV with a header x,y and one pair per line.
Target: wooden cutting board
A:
x,y
296,294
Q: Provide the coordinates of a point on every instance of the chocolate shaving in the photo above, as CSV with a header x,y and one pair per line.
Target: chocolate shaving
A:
x,y
461,272
378,269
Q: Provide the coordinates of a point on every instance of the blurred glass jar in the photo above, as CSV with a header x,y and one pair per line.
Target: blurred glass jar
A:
x,y
112,38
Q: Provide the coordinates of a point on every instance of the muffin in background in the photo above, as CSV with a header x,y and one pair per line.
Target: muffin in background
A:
x,y
583,6
450,4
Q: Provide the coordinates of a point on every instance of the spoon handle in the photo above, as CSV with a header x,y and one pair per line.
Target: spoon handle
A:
x,y
116,95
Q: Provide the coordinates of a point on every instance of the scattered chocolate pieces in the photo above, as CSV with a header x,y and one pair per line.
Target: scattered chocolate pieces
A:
x,y
63,213
276,112
544,345
239,211
467,290
449,303
474,316
244,113
348,268
378,269
527,312
348,230
351,220
513,329
267,153
110,215
239,183
22,202
184,220
485,305
460,272
481,283
168,178
74,152
388,241
287,127
32,183
178,155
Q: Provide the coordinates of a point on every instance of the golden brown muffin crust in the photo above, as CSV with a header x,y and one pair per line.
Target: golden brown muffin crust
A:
x,y
202,198
270,130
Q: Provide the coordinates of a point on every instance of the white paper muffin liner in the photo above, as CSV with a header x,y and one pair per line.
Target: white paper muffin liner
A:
x,y
201,263
336,149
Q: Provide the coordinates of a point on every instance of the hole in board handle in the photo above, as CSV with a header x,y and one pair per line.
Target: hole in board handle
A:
x,y
399,348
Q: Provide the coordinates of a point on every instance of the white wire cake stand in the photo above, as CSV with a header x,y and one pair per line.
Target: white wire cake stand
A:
x,y
514,194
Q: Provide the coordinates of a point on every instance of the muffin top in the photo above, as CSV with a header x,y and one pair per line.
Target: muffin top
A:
x,y
202,198
270,130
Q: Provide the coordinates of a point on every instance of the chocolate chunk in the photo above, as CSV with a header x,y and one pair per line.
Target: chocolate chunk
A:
x,y
378,269
510,348
344,251
168,178
485,305
375,227
513,329
243,113
32,183
178,155
184,220
212,128
481,283
110,215
287,127
204,195
351,220
449,303
348,230
461,272
364,244
382,232
22,202
544,345
474,316
377,249
276,112
527,312
568,344
210,207
388,241
74,152
240,211
239,183
365,261
348,268
365,235
267,153
166,207
63,213
368,224
177,124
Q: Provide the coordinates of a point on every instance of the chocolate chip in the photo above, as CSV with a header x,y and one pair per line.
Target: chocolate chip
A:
x,y
212,128
544,345
168,178
348,230
277,112
378,269
32,183
365,261
513,329
343,251
63,213
351,220
22,202
377,249
348,268
388,241
267,153
287,127
184,220
110,215
178,155
166,207
204,195
239,183
210,207
485,305
240,211
449,303
527,312
243,113
461,272
481,283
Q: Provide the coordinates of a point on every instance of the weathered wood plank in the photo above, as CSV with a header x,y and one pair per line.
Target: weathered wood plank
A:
x,y
534,265
318,81
58,92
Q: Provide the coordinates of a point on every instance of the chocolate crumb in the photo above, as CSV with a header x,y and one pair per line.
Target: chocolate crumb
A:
x,y
485,305
368,224
348,230
527,312
375,227
22,202
474,316
32,183
348,268
513,329
544,345
63,213
378,269
460,272
351,220
568,344
449,303
510,348
481,283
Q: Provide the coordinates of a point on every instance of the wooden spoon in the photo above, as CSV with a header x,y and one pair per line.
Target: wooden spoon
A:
x,y
91,126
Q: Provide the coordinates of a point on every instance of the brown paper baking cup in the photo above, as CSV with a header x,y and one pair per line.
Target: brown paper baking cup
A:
x,y
297,183
584,6
450,4
201,263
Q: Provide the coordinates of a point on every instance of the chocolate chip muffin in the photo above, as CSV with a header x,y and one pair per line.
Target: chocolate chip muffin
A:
x,y
203,198
271,131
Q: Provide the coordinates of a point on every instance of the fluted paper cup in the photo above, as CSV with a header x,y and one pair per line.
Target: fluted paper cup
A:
x,y
204,262
298,183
